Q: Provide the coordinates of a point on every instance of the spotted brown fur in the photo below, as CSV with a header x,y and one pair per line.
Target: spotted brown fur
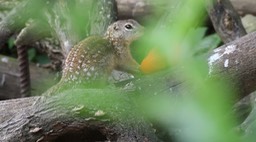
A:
x,y
94,58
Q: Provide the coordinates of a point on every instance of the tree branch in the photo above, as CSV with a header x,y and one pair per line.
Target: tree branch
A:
x,y
236,60
225,20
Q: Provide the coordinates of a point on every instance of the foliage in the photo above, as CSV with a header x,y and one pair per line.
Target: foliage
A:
x,y
204,44
202,111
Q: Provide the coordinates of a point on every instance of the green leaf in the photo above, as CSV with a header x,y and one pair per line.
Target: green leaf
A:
x,y
10,43
210,42
197,34
42,59
207,44
31,54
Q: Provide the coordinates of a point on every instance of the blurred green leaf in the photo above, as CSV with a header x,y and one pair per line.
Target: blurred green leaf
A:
x,y
202,111
42,59
210,41
11,43
196,35
31,54
199,43
207,44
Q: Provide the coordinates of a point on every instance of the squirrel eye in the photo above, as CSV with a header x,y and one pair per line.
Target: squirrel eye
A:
x,y
128,26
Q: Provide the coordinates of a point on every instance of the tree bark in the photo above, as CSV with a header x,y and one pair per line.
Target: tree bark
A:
x,y
65,117
236,60
225,20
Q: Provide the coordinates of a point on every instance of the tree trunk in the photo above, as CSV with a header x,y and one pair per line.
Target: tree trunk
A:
x,y
68,118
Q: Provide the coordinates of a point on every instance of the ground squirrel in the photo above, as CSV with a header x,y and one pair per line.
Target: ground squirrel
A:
x,y
92,60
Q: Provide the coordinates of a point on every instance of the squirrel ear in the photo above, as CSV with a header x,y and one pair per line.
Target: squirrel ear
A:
x,y
116,27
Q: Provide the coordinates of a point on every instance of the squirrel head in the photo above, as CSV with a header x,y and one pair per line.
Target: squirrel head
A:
x,y
123,32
